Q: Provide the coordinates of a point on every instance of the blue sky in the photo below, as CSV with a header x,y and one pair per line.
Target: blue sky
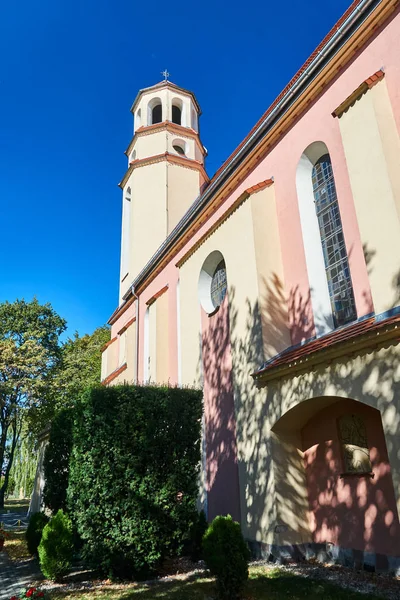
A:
x,y
69,71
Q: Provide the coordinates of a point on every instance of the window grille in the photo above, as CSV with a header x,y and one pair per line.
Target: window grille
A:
x,y
333,244
218,285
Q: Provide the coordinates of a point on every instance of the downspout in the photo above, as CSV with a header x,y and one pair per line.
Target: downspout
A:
x,y
136,370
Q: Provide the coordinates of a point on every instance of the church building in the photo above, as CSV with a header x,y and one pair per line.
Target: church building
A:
x,y
275,286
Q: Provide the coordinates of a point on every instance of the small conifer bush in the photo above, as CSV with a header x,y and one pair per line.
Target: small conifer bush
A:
x,y
226,555
34,531
56,547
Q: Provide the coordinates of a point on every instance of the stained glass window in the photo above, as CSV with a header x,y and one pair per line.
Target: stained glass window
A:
x,y
333,244
353,436
218,284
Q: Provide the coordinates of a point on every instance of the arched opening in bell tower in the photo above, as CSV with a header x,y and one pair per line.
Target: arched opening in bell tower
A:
x,y
177,113
154,111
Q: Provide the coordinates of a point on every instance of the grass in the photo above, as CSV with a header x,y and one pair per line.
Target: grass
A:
x,y
15,545
264,584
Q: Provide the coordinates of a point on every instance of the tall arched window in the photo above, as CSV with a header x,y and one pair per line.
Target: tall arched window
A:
x,y
333,245
331,290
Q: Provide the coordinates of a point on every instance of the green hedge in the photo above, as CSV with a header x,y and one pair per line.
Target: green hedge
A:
x,y
133,480
56,461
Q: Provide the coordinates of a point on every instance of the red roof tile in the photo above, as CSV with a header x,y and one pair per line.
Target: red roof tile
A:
x,y
335,338
260,186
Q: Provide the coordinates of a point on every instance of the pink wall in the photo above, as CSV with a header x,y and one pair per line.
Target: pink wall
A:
x,y
281,163
356,512
222,474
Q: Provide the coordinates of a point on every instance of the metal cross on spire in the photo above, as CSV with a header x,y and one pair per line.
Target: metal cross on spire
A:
x,y
165,74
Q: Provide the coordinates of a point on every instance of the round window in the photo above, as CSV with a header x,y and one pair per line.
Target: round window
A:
x,y
212,282
218,285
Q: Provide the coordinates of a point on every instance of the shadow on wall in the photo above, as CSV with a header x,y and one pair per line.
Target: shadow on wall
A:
x,y
275,499
222,481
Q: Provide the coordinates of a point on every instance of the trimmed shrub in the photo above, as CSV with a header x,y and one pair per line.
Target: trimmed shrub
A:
x,y
56,461
226,555
34,531
197,532
133,480
56,548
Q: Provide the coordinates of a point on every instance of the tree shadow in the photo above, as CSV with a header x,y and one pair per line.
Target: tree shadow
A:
x,y
275,481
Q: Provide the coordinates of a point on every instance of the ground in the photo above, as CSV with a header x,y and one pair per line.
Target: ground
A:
x,y
265,584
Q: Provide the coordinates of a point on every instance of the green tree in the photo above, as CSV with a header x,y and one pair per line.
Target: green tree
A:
x,y
80,367
22,474
29,353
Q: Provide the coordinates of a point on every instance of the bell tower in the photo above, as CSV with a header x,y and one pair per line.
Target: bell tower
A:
x,y
165,172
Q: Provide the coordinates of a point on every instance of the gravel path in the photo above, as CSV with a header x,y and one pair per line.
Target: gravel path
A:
x,y
15,575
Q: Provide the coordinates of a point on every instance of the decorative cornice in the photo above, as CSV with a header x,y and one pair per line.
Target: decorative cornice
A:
x,y
157,295
238,202
114,374
360,91
125,327
105,346
166,126
167,156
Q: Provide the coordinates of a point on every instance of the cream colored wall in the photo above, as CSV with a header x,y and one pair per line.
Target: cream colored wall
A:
x,y
151,143
246,247
267,245
190,145
162,345
291,523
249,243
372,148
148,223
111,358
127,341
130,353
183,189
235,241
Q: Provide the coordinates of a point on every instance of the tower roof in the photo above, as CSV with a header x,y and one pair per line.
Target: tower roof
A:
x,y
161,85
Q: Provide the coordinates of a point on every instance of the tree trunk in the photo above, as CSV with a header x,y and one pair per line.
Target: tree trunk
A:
x,y
16,429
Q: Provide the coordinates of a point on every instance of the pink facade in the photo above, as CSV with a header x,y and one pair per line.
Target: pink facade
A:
x,y
220,424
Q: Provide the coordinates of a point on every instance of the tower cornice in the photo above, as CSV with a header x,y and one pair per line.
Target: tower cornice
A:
x,y
168,157
166,126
